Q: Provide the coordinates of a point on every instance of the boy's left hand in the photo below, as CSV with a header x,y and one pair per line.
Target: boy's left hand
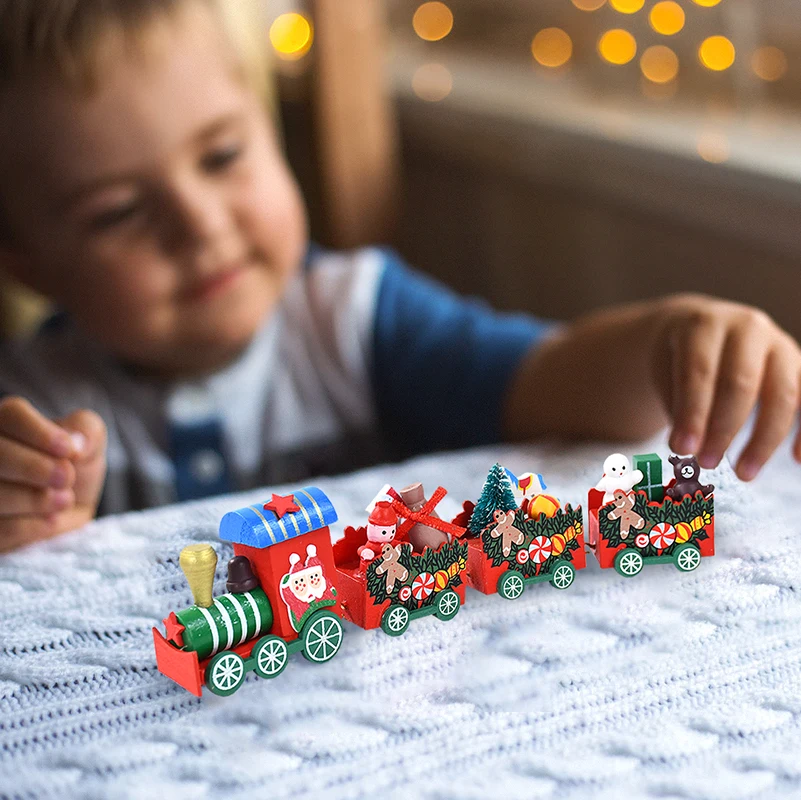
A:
x,y
714,361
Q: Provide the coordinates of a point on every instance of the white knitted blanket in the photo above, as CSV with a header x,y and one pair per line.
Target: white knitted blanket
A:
x,y
664,685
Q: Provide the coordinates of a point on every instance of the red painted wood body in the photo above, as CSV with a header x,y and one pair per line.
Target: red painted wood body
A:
x,y
270,564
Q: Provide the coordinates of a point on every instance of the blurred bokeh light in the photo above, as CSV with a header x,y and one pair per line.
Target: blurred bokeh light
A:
x,y
432,82
291,36
769,63
659,64
588,5
617,46
627,6
552,47
433,21
716,53
713,147
706,3
667,17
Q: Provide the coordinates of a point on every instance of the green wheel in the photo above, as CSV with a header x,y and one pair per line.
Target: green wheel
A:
x,y
447,605
510,585
687,557
225,673
563,576
628,563
322,637
395,620
271,656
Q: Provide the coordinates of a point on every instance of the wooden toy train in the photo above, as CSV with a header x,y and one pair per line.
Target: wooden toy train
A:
x,y
289,587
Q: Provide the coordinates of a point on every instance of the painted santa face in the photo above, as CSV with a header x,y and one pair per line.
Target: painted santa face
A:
x,y
381,533
316,581
616,465
300,586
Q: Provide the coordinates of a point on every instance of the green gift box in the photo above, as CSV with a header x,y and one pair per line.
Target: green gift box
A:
x,y
651,467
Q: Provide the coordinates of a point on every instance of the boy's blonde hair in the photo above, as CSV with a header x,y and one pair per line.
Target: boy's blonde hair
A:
x,y
72,39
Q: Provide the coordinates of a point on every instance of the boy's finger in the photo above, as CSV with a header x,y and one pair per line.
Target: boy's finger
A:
x,y
20,421
88,431
28,467
695,363
742,368
16,500
778,406
91,462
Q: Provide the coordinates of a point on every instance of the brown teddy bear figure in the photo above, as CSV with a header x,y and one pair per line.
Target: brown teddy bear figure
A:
x,y
686,471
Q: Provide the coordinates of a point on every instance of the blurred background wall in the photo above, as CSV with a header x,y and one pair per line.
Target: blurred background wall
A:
x,y
560,155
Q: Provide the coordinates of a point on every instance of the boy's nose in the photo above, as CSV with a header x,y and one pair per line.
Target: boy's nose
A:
x,y
202,225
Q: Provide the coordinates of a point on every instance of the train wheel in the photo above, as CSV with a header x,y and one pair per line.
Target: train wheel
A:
x,y
510,585
395,620
563,576
447,605
628,563
225,673
687,558
322,637
271,656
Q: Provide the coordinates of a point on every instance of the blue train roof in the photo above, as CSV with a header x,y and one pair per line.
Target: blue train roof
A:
x,y
257,527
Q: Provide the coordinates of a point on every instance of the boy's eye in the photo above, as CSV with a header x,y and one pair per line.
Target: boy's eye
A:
x,y
219,159
114,216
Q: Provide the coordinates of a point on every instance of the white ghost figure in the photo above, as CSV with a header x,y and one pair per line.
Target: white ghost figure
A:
x,y
618,474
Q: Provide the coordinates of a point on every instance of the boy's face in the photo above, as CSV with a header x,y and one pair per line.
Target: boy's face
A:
x,y
158,211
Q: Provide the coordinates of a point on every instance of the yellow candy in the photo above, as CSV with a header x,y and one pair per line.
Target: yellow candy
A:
x,y
683,532
701,520
558,544
440,580
453,569
543,504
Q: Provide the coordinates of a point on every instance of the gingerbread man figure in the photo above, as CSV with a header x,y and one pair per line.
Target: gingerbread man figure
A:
x,y
395,571
624,511
505,529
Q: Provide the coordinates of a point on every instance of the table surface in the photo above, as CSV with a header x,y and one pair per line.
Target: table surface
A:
x,y
665,685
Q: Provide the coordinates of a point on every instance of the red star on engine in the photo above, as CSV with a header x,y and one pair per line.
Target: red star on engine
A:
x,y
282,505
175,631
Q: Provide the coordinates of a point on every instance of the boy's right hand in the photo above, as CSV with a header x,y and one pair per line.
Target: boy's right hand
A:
x,y
51,472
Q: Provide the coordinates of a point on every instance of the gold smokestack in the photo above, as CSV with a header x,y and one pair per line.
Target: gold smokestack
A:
x,y
198,562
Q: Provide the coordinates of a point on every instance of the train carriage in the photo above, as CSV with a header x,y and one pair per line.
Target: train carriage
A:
x,y
540,550
649,526
400,585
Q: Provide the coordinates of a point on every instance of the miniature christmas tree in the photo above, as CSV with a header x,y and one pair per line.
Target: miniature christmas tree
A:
x,y
496,494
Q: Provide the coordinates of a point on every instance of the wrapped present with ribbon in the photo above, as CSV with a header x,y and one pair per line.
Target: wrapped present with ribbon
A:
x,y
650,465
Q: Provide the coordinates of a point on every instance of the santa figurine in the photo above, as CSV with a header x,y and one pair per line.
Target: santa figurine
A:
x,y
382,524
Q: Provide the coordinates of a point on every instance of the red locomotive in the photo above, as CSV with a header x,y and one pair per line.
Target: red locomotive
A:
x,y
281,597
288,587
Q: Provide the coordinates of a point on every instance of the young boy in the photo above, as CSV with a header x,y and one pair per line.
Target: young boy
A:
x,y
202,346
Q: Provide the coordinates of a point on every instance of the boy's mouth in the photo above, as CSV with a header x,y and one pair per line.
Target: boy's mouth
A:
x,y
215,284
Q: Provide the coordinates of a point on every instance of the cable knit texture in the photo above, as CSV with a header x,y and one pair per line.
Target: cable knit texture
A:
x,y
664,685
